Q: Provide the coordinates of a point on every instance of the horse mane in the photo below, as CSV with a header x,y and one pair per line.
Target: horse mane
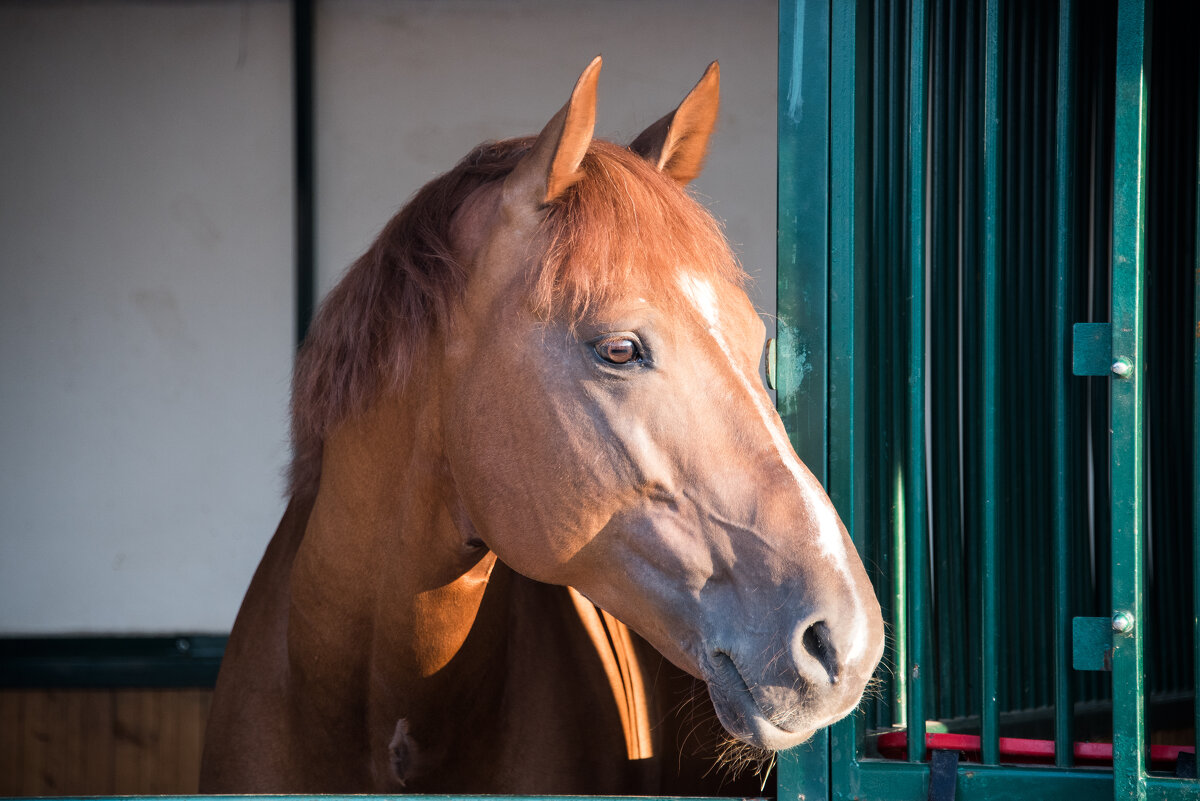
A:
x,y
622,224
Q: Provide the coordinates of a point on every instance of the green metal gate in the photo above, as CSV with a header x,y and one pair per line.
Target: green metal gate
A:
x,y
987,349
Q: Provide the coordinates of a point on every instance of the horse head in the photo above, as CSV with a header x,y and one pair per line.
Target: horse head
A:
x,y
605,426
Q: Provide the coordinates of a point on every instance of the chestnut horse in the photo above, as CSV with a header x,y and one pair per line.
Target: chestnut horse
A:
x,y
528,417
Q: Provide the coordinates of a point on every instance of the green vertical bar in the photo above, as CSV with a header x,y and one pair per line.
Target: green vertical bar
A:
x,y
803,219
942,367
991,360
955,582
1002,304
801,288
1043,361
847,424
1017,340
1064,259
917,518
1127,396
1196,461
893,232
879,347
969,275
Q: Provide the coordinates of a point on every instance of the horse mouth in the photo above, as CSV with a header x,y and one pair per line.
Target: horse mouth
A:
x,y
746,717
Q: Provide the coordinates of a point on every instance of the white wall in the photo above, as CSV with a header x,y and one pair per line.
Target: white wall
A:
x,y
405,89
146,246
145,309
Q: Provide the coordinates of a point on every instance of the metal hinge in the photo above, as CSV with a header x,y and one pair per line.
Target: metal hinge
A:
x,y
1092,639
1091,353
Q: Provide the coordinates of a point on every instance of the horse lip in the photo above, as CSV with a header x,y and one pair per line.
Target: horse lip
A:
x,y
739,711
725,667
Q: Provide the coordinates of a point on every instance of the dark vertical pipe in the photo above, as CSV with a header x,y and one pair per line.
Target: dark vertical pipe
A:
x,y
1043,365
969,272
948,584
302,67
936,369
878,265
881,415
950,311
1020,121
894,282
1196,460
1064,258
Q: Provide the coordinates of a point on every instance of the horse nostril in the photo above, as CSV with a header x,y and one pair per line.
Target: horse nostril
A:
x,y
817,642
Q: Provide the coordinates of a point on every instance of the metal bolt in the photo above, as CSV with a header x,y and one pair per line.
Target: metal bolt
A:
x,y
771,363
1122,368
1122,622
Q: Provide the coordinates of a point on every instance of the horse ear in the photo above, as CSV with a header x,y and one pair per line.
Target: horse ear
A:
x,y
677,143
553,162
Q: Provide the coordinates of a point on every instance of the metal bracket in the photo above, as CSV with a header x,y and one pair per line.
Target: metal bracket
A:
x,y
772,356
1092,643
1091,353
1185,765
943,775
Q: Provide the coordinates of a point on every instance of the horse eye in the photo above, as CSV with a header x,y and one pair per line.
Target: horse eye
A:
x,y
618,350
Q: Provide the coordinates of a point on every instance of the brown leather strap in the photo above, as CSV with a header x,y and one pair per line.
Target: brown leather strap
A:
x,y
614,646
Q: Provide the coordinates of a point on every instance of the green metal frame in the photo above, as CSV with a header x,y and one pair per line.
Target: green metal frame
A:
x,y
1128,420
874,155
803,349
104,662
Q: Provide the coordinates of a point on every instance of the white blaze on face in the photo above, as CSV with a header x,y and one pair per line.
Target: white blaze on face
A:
x,y
703,296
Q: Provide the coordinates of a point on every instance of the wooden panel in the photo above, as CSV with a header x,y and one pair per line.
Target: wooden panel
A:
x,y
96,733
11,740
101,742
131,736
36,739
193,715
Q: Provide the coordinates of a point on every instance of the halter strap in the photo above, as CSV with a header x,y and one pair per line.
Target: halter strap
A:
x,y
614,646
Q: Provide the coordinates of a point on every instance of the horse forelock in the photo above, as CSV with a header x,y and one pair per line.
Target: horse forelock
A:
x,y
626,228
623,229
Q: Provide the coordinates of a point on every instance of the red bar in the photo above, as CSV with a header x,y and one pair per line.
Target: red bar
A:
x,y
894,745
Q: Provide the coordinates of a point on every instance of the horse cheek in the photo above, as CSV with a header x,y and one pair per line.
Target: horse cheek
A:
x,y
509,474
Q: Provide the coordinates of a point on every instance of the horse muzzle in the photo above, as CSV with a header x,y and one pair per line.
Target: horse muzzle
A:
x,y
779,697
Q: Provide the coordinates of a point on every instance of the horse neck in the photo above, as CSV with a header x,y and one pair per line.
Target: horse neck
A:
x,y
382,597
391,630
